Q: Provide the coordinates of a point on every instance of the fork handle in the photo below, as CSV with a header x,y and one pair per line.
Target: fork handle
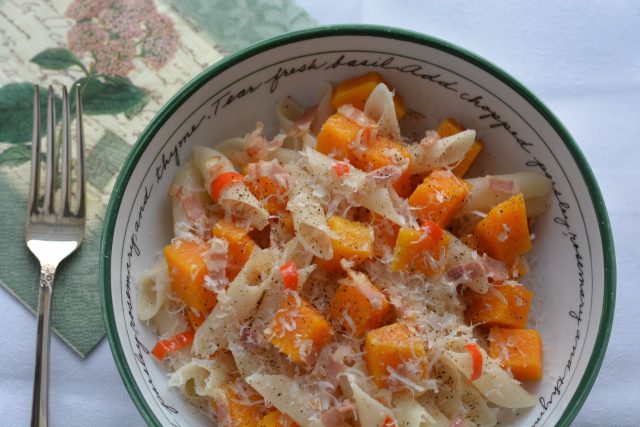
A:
x,y
40,404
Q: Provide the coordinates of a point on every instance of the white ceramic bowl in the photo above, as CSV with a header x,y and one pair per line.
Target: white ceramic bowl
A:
x,y
573,276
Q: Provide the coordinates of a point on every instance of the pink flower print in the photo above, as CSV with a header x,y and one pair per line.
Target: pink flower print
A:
x,y
115,58
136,9
115,32
121,24
86,37
160,43
80,10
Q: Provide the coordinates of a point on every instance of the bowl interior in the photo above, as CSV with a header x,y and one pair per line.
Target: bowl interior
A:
x,y
572,261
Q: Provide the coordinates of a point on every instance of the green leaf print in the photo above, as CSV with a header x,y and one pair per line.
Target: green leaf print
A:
x,y
16,112
56,59
110,95
16,155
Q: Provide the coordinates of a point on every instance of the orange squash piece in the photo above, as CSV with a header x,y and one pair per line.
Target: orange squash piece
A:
x,y
243,415
272,195
503,305
307,330
450,127
519,350
390,347
355,91
420,250
439,197
336,136
353,241
504,233
187,267
366,305
381,152
277,419
240,245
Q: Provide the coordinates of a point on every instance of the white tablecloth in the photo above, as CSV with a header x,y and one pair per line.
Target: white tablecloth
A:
x,y
581,58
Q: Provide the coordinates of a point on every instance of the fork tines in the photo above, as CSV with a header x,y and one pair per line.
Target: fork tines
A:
x,y
49,205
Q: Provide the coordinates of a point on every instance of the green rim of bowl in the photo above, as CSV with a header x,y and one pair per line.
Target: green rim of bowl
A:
x,y
604,329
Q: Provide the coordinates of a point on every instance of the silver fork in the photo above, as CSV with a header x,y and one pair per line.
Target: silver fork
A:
x,y
52,232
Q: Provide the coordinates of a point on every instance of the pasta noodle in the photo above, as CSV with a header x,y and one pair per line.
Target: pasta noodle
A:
x,y
188,201
203,376
363,191
441,153
309,218
370,412
380,107
488,191
286,396
153,290
236,303
494,383
236,198
410,413
328,274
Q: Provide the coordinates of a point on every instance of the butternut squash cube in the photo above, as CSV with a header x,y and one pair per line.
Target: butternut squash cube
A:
x,y
439,197
421,250
240,414
504,233
277,419
240,245
363,303
353,241
391,347
503,305
519,350
299,331
450,127
187,267
336,136
356,91
380,152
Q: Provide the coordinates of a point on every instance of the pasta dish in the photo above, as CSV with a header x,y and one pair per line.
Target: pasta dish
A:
x,y
340,273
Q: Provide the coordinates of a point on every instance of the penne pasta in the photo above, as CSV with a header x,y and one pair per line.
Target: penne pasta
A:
x,y
286,396
203,376
380,107
408,412
235,197
153,290
189,199
371,413
324,108
309,219
364,191
488,191
494,383
441,153
235,304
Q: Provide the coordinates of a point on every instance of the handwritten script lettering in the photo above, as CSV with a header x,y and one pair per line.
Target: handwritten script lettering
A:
x,y
172,156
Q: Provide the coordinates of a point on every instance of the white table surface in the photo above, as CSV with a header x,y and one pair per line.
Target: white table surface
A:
x,y
582,60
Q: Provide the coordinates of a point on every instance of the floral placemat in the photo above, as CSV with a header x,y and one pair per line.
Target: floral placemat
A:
x,y
129,57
